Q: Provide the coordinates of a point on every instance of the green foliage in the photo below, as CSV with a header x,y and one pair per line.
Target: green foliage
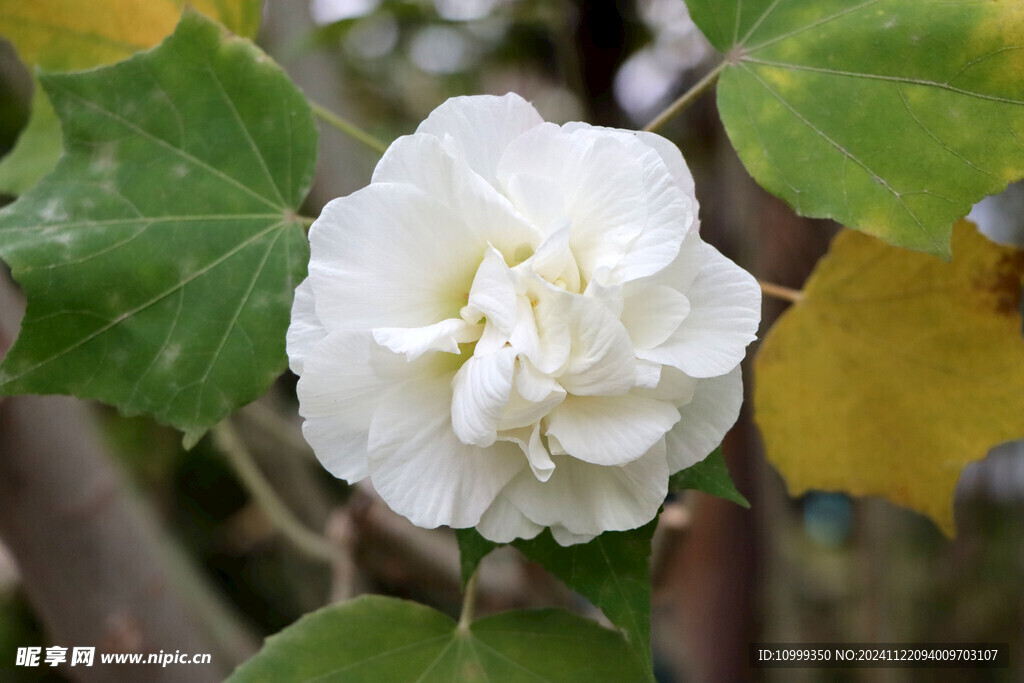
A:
x,y
160,256
710,475
472,549
613,572
374,638
36,151
890,116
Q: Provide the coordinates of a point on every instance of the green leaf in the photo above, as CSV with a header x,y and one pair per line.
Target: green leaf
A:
x,y
710,475
37,150
472,549
374,639
613,572
160,256
890,116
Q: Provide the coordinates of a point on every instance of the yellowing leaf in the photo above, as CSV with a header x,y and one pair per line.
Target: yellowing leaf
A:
x,y
895,370
62,35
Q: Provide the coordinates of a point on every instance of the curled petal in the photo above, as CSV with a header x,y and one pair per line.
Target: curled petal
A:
x,y
415,341
480,391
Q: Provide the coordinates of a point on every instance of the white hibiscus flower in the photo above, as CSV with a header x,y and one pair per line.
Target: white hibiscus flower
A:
x,y
516,325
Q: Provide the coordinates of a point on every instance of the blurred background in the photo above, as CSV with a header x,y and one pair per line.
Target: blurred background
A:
x,y
109,530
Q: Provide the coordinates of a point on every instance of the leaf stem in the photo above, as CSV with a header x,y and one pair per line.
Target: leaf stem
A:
x,y
780,292
306,541
686,99
468,603
348,128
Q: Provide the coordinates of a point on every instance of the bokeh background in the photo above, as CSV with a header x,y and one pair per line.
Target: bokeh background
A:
x,y
103,517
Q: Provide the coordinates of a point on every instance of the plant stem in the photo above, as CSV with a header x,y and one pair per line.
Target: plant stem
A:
x,y
686,99
780,292
348,128
468,603
306,541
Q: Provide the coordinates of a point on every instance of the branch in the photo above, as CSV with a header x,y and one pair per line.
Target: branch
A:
x,y
686,99
310,543
780,292
348,128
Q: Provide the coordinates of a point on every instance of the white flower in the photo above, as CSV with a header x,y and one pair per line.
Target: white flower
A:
x,y
516,325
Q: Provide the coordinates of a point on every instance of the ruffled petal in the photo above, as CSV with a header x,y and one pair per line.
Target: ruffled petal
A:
x,y
533,396
601,183
503,522
704,421
725,309
305,330
651,314
480,391
421,469
478,129
601,358
422,160
610,430
588,499
493,295
344,377
390,256
670,201
415,341
529,440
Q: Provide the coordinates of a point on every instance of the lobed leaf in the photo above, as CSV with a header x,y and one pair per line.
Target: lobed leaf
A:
x,y
62,35
890,116
374,638
895,370
160,256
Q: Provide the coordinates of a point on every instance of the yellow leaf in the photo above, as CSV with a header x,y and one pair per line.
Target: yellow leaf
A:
x,y
63,35
895,370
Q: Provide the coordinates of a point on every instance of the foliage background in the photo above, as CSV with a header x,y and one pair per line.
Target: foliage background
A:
x,y
822,568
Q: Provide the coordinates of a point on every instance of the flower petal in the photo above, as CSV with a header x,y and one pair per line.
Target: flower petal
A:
x,y
422,470
670,200
533,396
602,186
481,389
305,330
588,499
725,309
529,440
344,377
415,341
493,294
601,357
651,314
610,430
478,129
503,522
672,158
422,160
390,256
705,419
